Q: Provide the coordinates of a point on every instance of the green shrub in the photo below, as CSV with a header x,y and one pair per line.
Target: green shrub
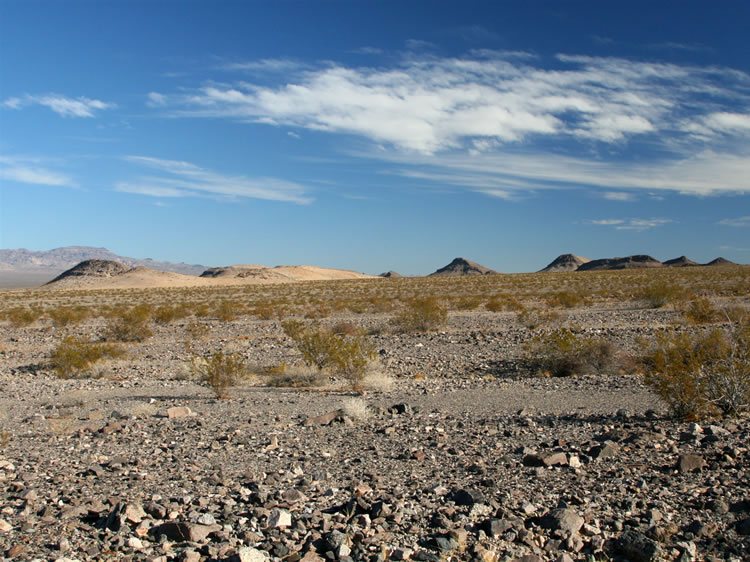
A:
x,y
421,315
700,376
67,316
562,353
131,325
347,355
661,294
73,356
220,371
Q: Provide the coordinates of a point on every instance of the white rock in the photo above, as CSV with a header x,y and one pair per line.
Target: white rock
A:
x,y
279,518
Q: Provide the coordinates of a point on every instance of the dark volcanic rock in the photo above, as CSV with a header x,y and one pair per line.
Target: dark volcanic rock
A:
x,y
682,261
629,262
720,261
94,268
461,266
390,275
566,262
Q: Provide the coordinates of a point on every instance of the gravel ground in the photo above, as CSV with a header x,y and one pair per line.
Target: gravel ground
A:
x,y
466,457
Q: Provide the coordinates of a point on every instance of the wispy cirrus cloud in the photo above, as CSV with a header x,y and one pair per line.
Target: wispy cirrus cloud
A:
x,y
62,105
32,171
618,196
632,224
184,179
737,222
570,122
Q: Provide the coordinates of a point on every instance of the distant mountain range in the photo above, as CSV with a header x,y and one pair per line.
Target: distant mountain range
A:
x,y
53,262
571,262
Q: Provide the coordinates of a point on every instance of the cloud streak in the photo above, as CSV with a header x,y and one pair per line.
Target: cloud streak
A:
x,y
30,171
738,222
637,225
63,106
184,179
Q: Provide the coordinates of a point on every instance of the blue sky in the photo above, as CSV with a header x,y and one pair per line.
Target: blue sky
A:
x,y
376,135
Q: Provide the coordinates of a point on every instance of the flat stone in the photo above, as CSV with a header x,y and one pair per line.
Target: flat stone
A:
x,y
249,554
181,532
565,519
177,412
689,462
638,547
5,527
279,518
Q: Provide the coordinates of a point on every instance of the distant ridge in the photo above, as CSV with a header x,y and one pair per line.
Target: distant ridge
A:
x,y
566,262
682,261
629,262
719,262
390,275
462,266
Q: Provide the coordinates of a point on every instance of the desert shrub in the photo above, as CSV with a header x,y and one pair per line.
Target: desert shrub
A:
x,y
344,329
700,311
699,376
228,310
219,371
565,299
467,303
535,318
298,376
131,325
67,316
561,353
356,409
661,294
196,330
421,315
347,355
74,357
21,316
499,304
167,314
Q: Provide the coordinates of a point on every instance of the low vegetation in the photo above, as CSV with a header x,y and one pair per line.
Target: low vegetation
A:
x,y
219,371
561,353
132,325
74,357
421,315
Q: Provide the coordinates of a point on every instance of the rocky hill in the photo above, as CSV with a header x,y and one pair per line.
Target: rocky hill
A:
x,y
629,262
462,266
54,262
93,268
720,262
682,261
390,275
566,262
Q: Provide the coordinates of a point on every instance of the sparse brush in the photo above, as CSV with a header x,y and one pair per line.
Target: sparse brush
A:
x,y
74,357
297,376
166,314
67,316
562,353
700,311
499,304
197,330
376,379
467,303
660,294
704,375
324,349
565,299
131,325
534,318
21,317
220,371
228,310
421,315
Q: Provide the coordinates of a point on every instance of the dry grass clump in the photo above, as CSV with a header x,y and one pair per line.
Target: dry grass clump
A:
x,y
166,314
565,299
22,316
296,376
376,379
660,294
74,357
132,325
421,315
700,376
502,303
537,318
347,355
561,353
356,409
228,310
220,371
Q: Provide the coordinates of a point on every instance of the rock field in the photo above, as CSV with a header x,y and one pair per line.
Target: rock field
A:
x,y
467,457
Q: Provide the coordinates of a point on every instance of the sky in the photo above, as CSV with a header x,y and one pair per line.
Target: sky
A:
x,y
376,135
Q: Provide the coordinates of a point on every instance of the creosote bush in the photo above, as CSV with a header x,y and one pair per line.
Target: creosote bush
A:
x,y
700,311
421,315
562,353
131,325
21,317
220,371
700,376
67,316
74,357
535,318
660,294
347,355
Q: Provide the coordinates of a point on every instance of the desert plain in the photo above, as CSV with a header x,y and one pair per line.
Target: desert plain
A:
x,y
455,441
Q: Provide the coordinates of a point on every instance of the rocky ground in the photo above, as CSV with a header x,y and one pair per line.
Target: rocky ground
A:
x,y
467,457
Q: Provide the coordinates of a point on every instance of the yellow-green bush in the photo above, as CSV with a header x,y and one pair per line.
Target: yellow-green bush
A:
x,y
21,316
73,357
220,371
421,315
67,316
133,325
660,294
561,353
699,376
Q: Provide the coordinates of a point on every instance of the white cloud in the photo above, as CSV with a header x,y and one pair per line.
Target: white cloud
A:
x,y
632,224
512,121
63,106
156,100
29,170
738,222
183,179
618,196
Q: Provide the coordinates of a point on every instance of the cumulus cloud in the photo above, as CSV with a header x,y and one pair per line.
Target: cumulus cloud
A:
x,y
738,222
184,179
33,171
63,106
